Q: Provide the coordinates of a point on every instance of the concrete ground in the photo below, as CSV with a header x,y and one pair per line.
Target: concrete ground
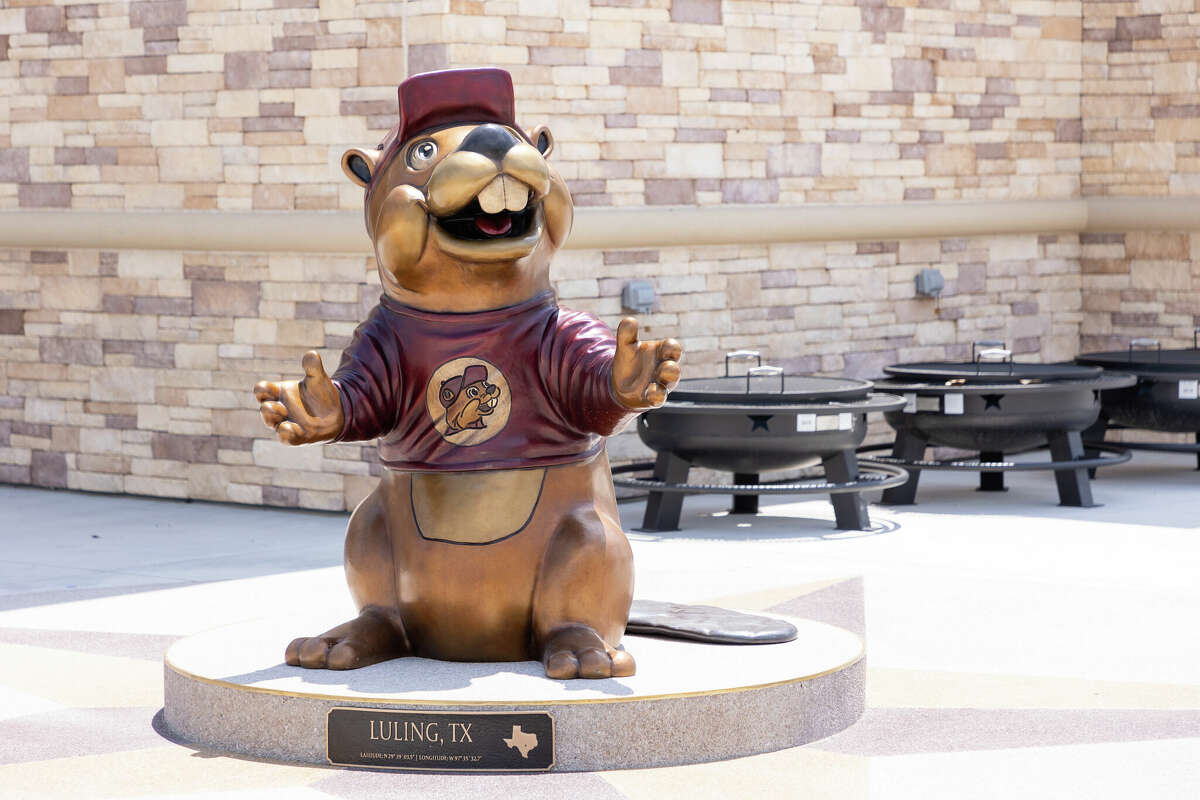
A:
x,y
1015,648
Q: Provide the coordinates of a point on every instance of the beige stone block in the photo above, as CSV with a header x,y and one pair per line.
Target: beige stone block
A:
x,y
112,43
335,59
919,251
472,29
196,356
191,63
868,74
1176,77
839,18
36,134
317,103
12,20
99,440
1186,129
155,487
255,331
241,38
1067,28
178,132
1144,156
166,264
807,104
1168,275
271,453
614,33
300,332
1157,245
106,76
190,164
123,385
949,160
695,160
386,32
680,68
335,9
243,103
71,292
1013,248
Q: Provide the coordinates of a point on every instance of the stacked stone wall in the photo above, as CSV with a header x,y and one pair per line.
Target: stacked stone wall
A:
x,y
1141,138
130,371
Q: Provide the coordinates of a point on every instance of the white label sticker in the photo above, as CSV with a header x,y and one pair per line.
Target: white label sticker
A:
x,y
910,402
953,404
1189,390
845,422
929,404
827,422
806,423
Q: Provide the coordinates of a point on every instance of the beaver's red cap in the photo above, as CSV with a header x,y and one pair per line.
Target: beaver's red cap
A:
x,y
453,97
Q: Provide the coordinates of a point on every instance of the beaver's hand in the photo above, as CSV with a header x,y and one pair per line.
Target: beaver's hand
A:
x,y
303,411
643,372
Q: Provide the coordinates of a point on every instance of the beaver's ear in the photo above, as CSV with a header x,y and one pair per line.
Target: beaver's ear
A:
x,y
542,139
359,165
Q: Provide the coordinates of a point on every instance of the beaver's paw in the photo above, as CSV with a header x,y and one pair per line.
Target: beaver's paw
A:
x,y
578,651
367,639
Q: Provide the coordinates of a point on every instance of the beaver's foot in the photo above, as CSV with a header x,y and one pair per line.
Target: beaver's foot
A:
x,y
577,651
369,638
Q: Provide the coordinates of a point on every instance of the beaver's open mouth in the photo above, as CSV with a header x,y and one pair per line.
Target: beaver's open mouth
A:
x,y
472,222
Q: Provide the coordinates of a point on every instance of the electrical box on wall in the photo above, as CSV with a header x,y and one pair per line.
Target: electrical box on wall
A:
x,y
638,297
930,283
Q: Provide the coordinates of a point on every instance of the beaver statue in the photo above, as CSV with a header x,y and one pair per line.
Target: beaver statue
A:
x,y
493,534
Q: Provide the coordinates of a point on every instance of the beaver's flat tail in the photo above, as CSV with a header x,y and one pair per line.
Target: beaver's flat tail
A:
x,y
706,624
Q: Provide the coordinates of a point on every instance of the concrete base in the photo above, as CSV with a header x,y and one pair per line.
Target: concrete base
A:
x,y
228,690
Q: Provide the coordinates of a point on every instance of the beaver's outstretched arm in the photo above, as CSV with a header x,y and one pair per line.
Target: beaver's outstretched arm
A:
x,y
304,411
643,372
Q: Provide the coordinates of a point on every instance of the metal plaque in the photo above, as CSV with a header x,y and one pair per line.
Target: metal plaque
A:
x,y
440,740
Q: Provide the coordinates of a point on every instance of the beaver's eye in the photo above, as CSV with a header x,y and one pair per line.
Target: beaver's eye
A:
x,y
422,154
472,392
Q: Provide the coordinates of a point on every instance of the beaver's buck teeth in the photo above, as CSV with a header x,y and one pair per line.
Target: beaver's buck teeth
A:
x,y
503,193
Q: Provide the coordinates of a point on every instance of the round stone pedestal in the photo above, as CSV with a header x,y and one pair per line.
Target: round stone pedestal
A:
x,y
228,690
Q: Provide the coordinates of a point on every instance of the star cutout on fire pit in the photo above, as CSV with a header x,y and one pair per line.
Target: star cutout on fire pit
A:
x,y
991,401
760,422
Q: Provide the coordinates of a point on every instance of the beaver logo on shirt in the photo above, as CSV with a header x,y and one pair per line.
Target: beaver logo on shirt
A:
x,y
468,398
468,401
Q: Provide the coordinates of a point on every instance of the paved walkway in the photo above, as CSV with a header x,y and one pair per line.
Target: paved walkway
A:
x,y
1016,649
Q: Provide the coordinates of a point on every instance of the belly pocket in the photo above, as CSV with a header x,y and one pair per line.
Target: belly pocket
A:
x,y
475,507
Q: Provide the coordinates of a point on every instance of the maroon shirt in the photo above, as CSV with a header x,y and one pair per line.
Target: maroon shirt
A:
x,y
524,386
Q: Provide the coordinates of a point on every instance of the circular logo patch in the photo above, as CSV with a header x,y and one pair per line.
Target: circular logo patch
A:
x,y
468,400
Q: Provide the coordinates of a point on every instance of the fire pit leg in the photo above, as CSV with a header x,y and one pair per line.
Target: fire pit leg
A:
x,y
663,508
908,448
849,508
991,481
1074,489
1197,454
1096,433
745,503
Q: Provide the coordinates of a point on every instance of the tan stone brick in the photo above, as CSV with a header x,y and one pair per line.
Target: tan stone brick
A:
x,y
190,164
949,160
178,132
77,293
1144,156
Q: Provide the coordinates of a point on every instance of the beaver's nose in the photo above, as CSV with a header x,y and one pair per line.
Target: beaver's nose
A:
x,y
490,140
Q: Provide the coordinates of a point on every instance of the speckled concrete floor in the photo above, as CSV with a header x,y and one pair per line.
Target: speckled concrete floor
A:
x,y
1015,648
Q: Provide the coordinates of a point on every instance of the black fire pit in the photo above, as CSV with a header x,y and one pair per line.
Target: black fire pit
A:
x,y
760,422
1164,398
992,405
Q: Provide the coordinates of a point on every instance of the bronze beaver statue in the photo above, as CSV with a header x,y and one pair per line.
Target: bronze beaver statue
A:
x,y
493,534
